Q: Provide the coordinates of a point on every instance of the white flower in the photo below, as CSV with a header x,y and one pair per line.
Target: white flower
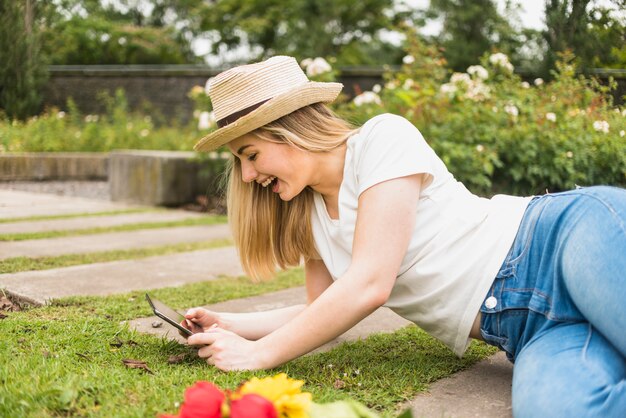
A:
x,y
501,60
569,154
525,84
121,41
478,71
408,83
480,148
460,78
601,126
61,115
376,88
306,62
408,59
551,117
538,81
494,109
105,37
391,85
622,133
477,91
144,133
366,97
206,120
318,66
448,89
511,110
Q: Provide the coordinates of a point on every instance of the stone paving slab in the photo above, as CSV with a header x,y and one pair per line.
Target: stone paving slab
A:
x,y
18,204
83,244
122,276
382,320
86,222
482,391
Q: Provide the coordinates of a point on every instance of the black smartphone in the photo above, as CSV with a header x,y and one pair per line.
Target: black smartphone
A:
x,y
167,314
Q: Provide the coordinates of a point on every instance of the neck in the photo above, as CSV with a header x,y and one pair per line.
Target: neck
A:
x,y
328,171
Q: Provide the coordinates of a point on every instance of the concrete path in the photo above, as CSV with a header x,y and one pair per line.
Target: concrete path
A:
x,y
14,204
86,222
83,244
122,276
482,391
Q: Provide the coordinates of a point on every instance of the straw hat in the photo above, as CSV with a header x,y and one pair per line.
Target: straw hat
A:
x,y
247,97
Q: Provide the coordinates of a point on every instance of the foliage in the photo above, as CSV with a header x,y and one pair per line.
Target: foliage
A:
x,y
473,27
22,72
118,128
595,33
345,29
121,32
500,134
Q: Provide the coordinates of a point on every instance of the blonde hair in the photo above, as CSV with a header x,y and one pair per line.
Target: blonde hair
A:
x,y
270,233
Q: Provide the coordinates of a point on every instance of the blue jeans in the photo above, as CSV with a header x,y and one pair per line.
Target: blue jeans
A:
x,y
558,306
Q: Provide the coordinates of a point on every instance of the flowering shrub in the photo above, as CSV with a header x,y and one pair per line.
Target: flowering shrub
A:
x,y
498,133
270,397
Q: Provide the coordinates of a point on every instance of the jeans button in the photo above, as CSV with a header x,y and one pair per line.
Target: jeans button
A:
x,y
491,302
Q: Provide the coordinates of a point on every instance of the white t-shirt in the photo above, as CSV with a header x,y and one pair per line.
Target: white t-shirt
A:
x,y
459,242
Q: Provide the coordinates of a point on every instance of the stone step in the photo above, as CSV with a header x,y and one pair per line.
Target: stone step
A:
x,y
482,391
83,244
86,222
18,204
382,320
38,287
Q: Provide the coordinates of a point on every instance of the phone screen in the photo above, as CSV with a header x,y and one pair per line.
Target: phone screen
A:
x,y
167,314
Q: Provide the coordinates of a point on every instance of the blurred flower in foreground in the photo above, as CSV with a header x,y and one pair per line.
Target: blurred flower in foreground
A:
x,y
315,66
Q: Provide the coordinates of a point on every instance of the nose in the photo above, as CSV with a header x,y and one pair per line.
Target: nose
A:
x,y
248,173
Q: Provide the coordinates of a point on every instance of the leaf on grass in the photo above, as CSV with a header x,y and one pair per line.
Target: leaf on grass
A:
x,y
136,364
339,384
2,315
8,306
118,343
175,359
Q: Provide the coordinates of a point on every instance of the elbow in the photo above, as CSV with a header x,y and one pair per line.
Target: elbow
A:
x,y
376,295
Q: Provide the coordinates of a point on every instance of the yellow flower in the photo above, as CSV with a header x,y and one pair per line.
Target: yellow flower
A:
x,y
283,392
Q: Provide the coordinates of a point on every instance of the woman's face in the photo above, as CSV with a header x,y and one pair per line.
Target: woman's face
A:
x,y
278,166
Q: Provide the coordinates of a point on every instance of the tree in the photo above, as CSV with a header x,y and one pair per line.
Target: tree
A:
x,y
22,70
590,31
346,29
121,32
473,27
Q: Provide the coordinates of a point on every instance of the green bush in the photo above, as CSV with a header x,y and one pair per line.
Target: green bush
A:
x,y
499,134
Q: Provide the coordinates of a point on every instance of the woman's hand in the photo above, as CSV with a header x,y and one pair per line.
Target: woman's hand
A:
x,y
227,350
199,320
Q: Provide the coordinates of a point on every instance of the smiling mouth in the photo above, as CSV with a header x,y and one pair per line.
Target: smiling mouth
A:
x,y
268,181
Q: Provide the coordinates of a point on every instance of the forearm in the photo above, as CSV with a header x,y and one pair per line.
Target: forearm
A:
x,y
334,312
255,325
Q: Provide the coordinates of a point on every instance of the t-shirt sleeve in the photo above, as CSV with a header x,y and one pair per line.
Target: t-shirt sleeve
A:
x,y
392,148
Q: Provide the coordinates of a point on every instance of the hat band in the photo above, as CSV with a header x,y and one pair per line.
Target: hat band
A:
x,y
234,116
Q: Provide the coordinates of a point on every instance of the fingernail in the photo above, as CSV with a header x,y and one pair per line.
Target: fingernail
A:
x,y
213,326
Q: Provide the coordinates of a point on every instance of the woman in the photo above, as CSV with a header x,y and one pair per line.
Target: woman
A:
x,y
379,220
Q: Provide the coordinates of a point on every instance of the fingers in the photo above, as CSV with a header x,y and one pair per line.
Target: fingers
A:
x,y
204,338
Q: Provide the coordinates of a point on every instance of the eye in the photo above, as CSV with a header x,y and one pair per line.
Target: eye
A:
x,y
251,157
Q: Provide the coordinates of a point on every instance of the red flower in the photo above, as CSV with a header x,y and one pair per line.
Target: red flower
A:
x,y
202,400
252,406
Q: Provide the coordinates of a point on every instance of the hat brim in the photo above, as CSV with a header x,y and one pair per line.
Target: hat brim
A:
x,y
273,109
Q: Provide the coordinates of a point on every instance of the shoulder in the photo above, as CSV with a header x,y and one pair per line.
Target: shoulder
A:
x,y
385,123
387,131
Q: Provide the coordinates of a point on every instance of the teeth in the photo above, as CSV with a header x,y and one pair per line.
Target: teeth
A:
x,y
268,181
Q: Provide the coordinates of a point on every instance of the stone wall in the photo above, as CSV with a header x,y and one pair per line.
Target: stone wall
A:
x,y
165,88
41,166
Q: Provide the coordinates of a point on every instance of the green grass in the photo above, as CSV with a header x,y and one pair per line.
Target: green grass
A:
x,y
17,264
77,215
65,359
205,220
